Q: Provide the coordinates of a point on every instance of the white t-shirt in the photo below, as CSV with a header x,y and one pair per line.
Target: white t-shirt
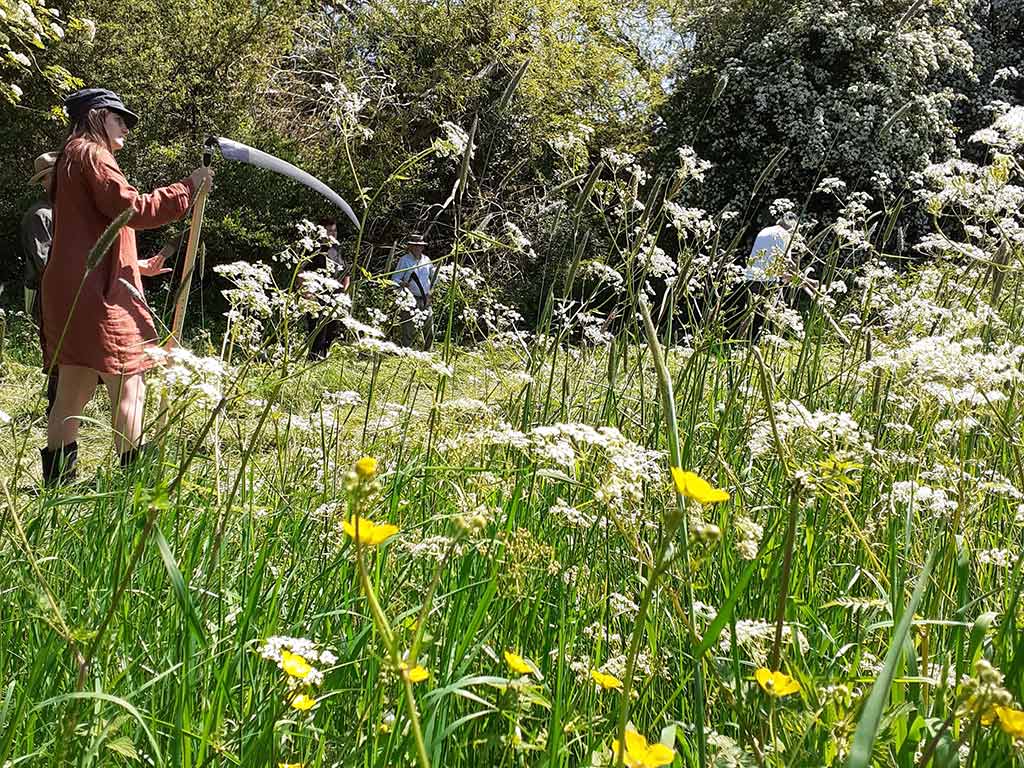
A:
x,y
410,268
766,257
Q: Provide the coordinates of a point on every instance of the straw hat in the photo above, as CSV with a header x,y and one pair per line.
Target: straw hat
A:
x,y
43,165
415,239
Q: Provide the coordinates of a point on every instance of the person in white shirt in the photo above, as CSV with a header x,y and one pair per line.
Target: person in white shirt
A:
x,y
769,263
415,275
769,258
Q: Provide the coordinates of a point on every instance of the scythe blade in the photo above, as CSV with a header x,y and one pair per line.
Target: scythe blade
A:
x,y
241,153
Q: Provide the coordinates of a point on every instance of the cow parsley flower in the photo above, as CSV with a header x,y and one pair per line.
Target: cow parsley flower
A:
x,y
923,499
691,167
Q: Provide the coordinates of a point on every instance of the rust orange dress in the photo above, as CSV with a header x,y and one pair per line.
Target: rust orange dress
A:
x,y
109,328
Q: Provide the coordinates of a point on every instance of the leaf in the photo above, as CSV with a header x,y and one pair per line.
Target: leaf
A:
x,y
725,612
6,708
452,727
588,188
720,85
981,627
767,172
946,753
492,680
98,696
178,585
510,89
888,124
531,694
567,183
557,475
871,715
459,188
466,157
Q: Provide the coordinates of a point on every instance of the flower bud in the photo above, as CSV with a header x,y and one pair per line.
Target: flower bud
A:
x,y
366,467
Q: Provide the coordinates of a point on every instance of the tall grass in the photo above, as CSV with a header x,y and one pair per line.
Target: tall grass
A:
x,y
135,604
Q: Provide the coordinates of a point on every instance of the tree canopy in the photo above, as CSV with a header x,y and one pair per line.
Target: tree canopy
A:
x,y
866,92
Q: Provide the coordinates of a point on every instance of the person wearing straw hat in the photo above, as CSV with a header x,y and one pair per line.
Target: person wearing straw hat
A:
x,y
415,277
36,235
95,322
37,232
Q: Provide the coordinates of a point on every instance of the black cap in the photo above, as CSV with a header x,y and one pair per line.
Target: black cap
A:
x,y
80,102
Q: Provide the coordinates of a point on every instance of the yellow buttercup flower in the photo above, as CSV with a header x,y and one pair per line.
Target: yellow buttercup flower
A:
x,y
290,765
605,681
639,754
370,533
295,665
366,467
1011,721
776,683
517,663
302,702
415,674
693,486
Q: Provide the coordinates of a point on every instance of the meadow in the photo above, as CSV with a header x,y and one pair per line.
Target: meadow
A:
x,y
576,545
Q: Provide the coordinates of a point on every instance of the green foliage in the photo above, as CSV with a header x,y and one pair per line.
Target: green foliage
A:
x,y
777,95
860,90
27,29
870,445
188,69
374,83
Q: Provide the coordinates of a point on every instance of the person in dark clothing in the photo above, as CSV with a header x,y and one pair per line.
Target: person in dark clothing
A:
x,y
323,329
36,236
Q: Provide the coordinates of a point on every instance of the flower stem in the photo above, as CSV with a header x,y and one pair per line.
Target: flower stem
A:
x,y
634,650
388,635
673,523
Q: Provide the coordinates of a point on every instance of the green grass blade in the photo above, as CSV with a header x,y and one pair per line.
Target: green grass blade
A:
x,y
106,240
871,716
725,612
178,585
100,696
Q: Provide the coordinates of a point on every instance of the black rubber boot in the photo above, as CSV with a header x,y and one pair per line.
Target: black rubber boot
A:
x,y
59,464
132,455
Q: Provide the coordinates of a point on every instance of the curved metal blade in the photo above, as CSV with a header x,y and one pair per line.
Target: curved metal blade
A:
x,y
242,153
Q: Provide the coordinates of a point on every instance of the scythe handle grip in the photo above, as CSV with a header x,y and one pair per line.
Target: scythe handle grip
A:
x,y
211,142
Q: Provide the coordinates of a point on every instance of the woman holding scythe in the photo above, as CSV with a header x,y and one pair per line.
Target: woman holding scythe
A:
x,y
93,323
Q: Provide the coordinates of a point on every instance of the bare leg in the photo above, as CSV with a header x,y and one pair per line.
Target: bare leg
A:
x,y
127,398
75,387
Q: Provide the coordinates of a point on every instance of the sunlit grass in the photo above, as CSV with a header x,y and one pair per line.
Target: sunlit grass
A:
x,y
668,544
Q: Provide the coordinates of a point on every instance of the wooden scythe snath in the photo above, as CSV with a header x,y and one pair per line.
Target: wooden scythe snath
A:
x,y
181,300
194,232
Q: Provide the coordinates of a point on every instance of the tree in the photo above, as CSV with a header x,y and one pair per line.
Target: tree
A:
x,y
547,83
188,69
856,90
27,29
